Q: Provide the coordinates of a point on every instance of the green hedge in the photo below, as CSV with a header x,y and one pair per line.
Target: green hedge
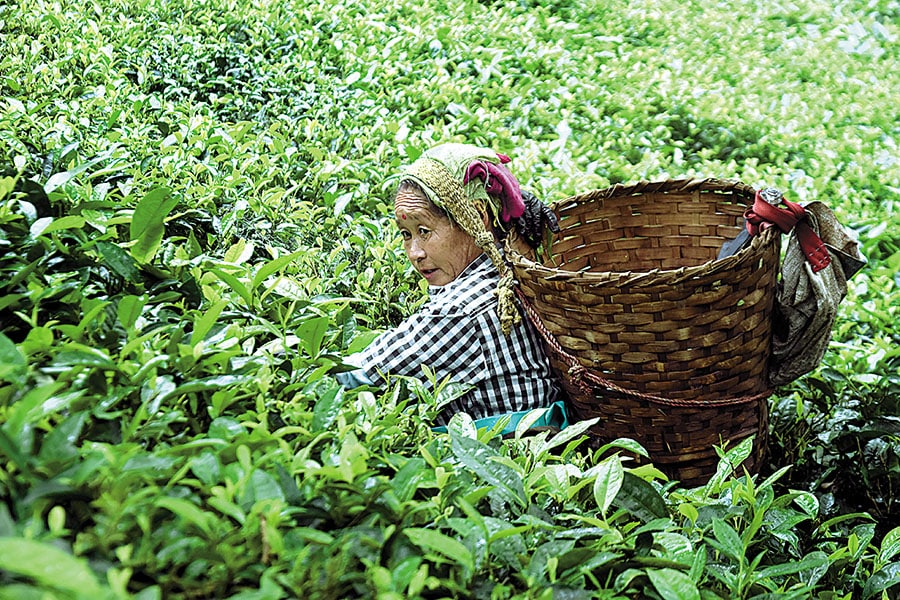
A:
x,y
195,227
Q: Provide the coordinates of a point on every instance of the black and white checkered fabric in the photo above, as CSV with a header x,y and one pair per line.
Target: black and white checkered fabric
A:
x,y
457,334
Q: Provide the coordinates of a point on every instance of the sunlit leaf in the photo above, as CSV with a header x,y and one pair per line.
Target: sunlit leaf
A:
x,y
188,511
673,585
890,545
129,309
610,476
327,408
49,566
442,545
12,363
312,333
273,266
727,540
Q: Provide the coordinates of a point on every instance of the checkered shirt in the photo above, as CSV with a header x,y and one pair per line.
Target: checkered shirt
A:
x,y
457,334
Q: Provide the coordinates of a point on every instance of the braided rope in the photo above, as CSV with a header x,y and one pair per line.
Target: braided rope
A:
x,y
578,372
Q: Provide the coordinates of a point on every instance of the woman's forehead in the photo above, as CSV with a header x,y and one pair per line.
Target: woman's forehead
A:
x,y
409,204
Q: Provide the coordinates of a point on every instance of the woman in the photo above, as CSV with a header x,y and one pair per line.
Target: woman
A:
x,y
452,207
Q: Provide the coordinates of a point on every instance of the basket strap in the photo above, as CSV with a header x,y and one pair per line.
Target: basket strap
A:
x,y
577,372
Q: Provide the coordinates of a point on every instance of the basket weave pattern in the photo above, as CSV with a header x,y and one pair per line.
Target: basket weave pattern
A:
x,y
646,328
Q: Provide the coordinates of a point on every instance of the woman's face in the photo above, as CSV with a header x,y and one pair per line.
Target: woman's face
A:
x,y
437,248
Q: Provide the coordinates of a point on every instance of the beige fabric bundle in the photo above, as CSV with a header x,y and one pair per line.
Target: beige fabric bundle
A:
x,y
806,302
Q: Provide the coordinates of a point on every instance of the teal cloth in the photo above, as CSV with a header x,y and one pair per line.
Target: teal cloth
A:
x,y
554,416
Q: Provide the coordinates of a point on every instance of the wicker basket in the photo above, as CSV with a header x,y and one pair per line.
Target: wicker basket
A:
x,y
647,329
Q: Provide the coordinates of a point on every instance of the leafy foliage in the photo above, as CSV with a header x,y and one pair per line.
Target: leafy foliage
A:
x,y
195,229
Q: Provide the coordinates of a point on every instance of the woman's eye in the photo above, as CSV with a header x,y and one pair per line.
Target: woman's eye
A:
x,y
405,235
423,231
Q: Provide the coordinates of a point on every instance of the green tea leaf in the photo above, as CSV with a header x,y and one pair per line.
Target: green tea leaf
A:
x,y
640,498
48,566
13,451
209,318
406,481
239,252
610,476
48,225
119,261
883,579
60,444
129,310
440,544
12,363
481,460
236,285
353,456
673,584
274,266
188,511
730,461
312,333
568,434
148,223
890,545
327,408
261,486
34,405
206,384
206,467
728,541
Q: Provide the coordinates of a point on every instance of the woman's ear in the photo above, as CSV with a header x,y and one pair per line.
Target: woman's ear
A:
x,y
486,219
485,213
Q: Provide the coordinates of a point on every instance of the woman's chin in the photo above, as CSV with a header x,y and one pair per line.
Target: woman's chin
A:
x,y
436,277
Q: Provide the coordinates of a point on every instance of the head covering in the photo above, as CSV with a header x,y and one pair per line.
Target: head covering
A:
x,y
460,178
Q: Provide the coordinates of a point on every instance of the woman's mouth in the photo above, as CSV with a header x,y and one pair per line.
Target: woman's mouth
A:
x,y
428,273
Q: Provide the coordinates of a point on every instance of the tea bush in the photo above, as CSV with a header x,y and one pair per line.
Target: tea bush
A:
x,y
195,228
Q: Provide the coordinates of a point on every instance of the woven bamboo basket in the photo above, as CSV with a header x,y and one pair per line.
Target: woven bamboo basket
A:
x,y
647,329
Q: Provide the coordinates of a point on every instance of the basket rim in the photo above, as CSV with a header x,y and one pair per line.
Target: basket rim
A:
x,y
520,261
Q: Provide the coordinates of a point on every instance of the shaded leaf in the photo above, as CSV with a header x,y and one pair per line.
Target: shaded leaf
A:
x,y
640,499
444,545
148,223
119,261
480,459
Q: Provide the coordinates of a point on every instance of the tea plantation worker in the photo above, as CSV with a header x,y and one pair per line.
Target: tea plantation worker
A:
x,y
453,206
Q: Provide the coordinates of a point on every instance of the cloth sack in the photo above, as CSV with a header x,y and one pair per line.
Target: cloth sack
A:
x,y
808,295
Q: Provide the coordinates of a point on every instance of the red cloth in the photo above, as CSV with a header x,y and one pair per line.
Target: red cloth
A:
x,y
763,215
499,182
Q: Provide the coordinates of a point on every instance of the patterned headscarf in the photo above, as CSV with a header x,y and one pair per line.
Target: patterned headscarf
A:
x,y
460,178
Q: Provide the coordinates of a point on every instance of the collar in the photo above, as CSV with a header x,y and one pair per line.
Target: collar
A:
x,y
481,264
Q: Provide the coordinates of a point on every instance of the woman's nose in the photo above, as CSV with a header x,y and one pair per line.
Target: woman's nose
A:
x,y
415,251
